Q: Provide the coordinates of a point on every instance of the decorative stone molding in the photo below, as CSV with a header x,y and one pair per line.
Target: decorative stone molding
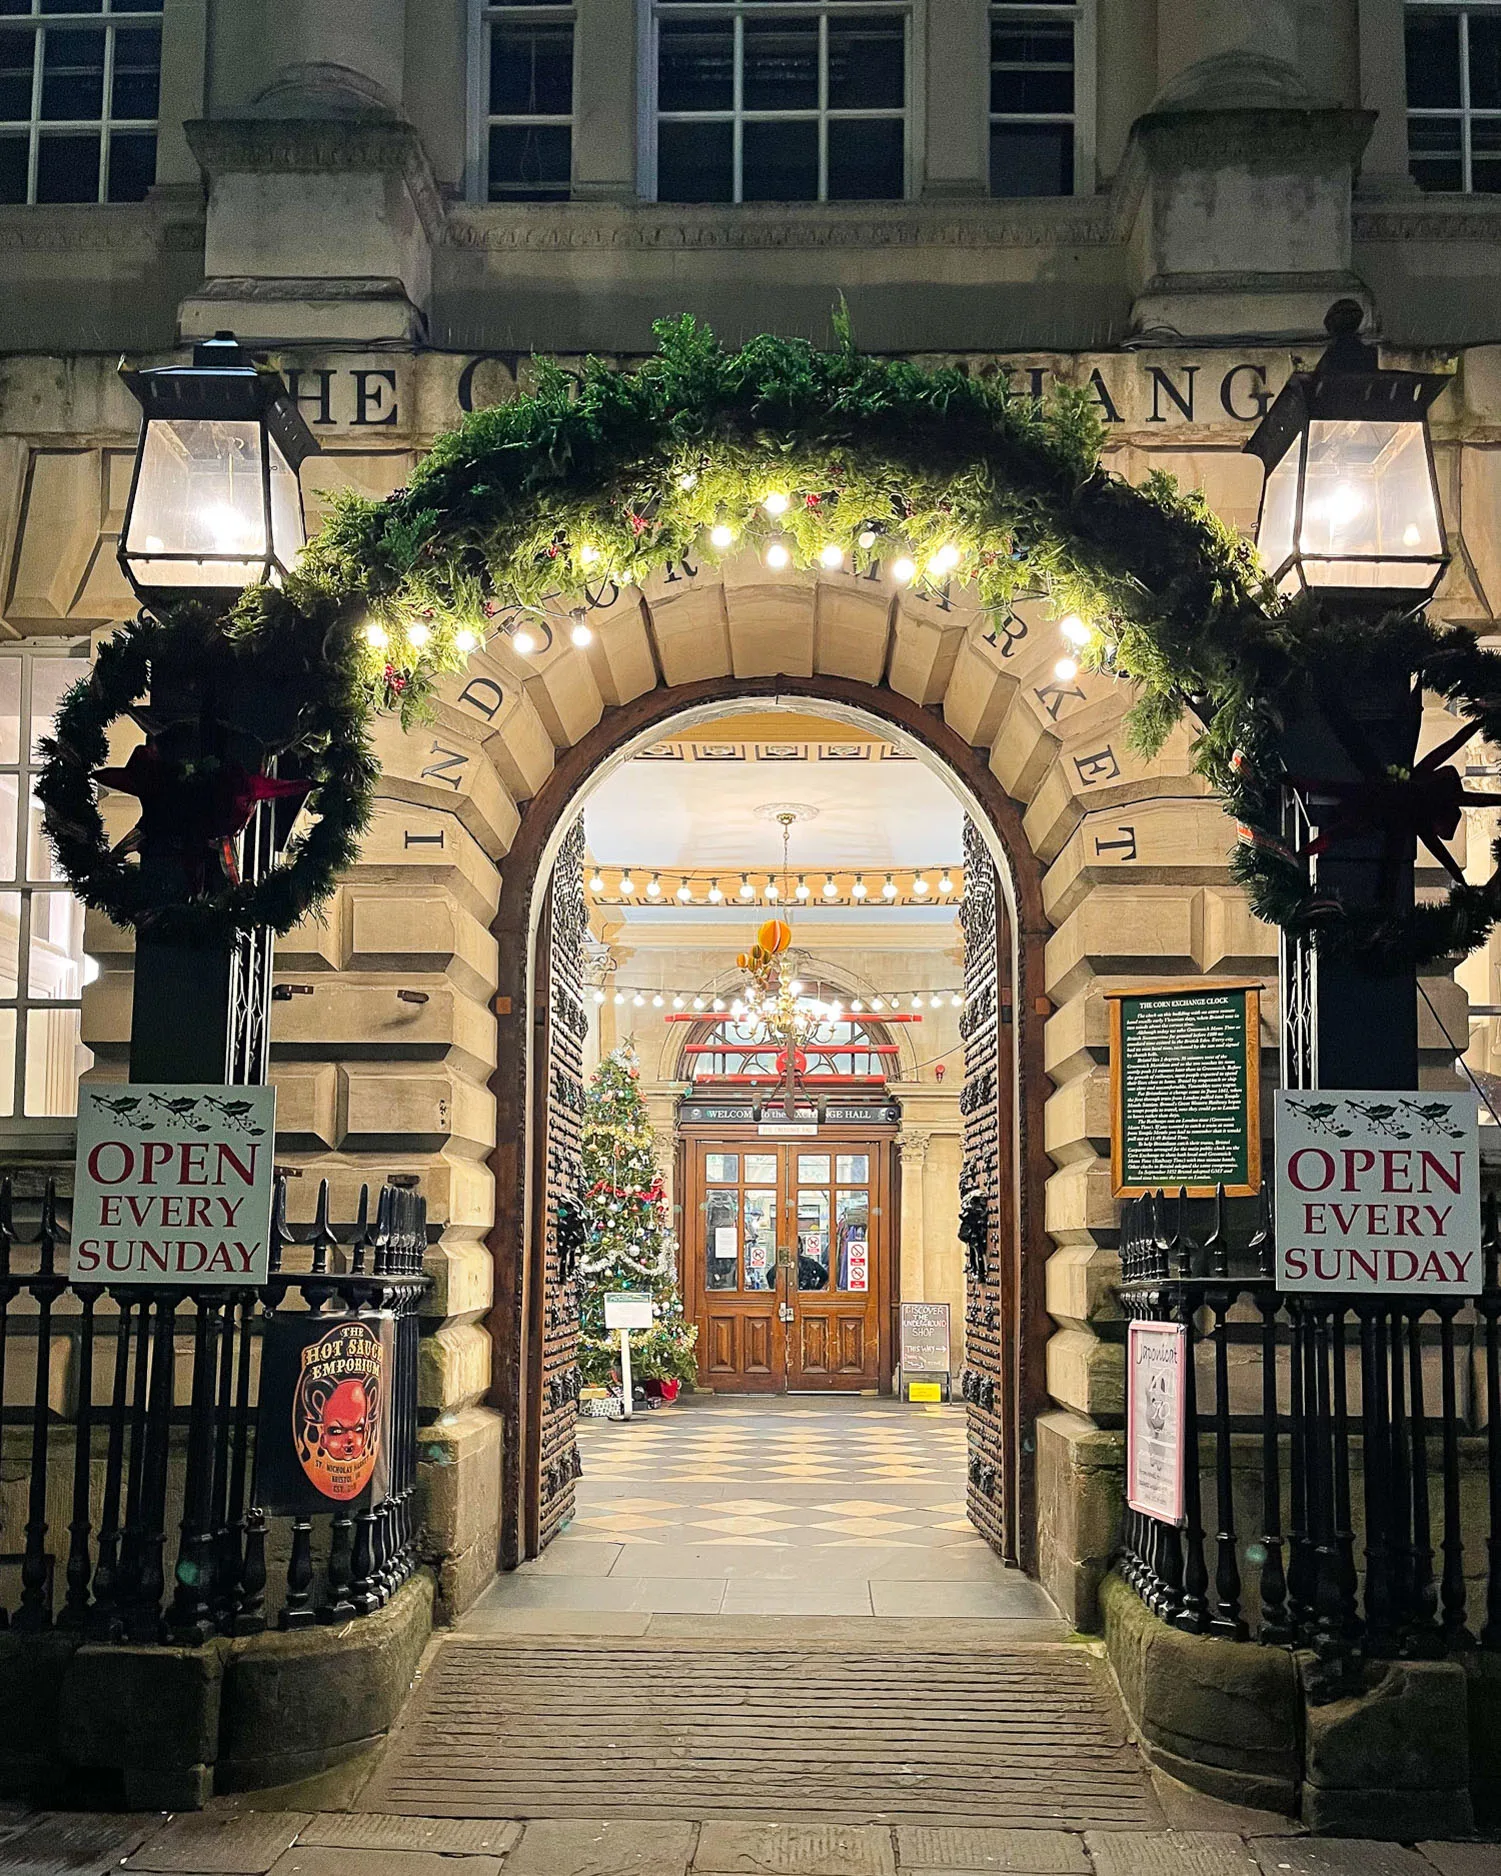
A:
x,y
302,146
123,227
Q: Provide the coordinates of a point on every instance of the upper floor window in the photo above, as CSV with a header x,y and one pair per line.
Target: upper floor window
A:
x,y
42,963
78,100
1035,81
525,117
1454,96
780,101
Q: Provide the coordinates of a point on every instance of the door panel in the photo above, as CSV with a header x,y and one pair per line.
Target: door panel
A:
x,y
756,1357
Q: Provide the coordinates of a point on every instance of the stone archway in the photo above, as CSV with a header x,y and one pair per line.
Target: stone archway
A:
x,y
522,1084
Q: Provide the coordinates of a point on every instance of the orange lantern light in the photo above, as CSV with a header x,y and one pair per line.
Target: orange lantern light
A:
x,y
775,935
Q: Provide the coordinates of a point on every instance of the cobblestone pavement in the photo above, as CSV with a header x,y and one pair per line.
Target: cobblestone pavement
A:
x,y
299,1843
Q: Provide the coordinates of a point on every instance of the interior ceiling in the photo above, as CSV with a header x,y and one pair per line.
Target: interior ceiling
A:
x,y
692,799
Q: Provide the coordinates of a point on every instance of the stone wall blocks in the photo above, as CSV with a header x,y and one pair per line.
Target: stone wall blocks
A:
x,y
414,1110
1076,1119
453,1367
458,1483
436,766
1087,1375
1082,1285
1080,1469
356,1020
925,645
516,740
426,850
567,699
1023,749
1080,1209
851,623
771,628
307,1105
418,932
620,658
977,694
459,1192
463,1279
693,634
1127,931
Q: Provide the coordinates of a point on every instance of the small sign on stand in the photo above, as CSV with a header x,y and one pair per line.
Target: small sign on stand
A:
x,y
626,1310
925,1350
1378,1193
1156,1358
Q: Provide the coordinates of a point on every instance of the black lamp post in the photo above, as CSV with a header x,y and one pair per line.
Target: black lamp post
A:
x,y
215,505
1350,515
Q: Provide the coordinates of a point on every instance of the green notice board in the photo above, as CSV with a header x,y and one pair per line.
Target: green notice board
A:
x,y
1184,1089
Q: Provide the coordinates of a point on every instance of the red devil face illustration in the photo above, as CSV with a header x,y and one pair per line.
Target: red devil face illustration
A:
x,y
336,1409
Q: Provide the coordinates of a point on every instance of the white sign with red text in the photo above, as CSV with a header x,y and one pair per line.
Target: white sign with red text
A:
x,y
1378,1193
172,1184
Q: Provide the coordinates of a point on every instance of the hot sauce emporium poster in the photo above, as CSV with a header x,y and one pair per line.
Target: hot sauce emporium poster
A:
x,y
324,1413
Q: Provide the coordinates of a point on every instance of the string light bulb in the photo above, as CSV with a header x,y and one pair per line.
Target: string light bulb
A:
x,y
773,891
685,892
588,554
858,890
619,997
856,1005
945,560
657,1001
677,1003
627,885
718,1003
418,634
596,882
920,887
904,570
803,888
581,633
1066,670
654,887
1075,630
956,1002
599,996
866,538
888,891
698,1003
722,536
747,890
917,1002
945,881
715,895
465,640
376,636
639,1000
777,554
523,642
774,503
688,480
878,1003
831,555
830,890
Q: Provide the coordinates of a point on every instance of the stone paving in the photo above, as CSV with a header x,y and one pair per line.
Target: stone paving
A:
x,y
297,1843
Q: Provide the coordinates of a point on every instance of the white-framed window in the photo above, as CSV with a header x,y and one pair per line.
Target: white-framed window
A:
x,y
42,962
79,84
779,101
521,101
1454,96
1041,97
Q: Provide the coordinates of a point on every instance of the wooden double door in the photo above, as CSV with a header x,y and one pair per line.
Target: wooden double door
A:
x,y
787,1254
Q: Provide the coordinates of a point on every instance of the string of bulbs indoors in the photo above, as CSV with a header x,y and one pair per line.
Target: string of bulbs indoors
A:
x,y
528,628
835,1010
626,884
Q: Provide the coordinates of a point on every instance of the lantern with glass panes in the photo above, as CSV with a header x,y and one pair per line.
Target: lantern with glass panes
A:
x,y
215,504
1349,507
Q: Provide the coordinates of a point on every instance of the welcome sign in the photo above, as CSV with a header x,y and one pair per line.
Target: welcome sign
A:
x,y
172,1184
1378,1193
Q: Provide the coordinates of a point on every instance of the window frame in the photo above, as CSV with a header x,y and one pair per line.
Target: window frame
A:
x,y
18,1124
482,15
911,114
104,127
1464,111
1081,14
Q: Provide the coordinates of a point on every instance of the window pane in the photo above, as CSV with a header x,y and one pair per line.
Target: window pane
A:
x,y
531,161
866,160
695,162
72,74
138,60
1031,159
854,1168
13,160
531,70
41,863
71,6
867,63
51,679
68,169
760,1240
696,67
1485,154
761,1169
1432,59
8,1065
1032,68
1434,145
780,163
813,1240
17,50
10,946
132,164
1485,62
55,1058
853,1270
10,709
9,797
54,964
721,1240
812,1168
720,1166
781,65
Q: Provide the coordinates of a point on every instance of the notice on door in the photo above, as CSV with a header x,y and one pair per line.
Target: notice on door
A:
x,y
1378,1193
172,1184
726,1241
1185,1064
857,1264
1156,1353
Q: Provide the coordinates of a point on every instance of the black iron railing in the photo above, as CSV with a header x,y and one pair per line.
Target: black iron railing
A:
x,y
139,1420
1343,1454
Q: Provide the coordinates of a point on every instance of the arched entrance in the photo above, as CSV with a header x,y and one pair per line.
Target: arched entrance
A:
x,y
1005,929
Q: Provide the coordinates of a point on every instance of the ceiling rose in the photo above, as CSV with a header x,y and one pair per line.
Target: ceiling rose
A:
x,y
787,812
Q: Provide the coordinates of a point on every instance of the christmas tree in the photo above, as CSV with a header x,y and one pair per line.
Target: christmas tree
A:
x,y
629,1245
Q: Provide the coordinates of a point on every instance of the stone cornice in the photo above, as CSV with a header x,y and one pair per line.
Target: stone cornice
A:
x,y
101,227
1429,218
1264,140
310,146
1074,221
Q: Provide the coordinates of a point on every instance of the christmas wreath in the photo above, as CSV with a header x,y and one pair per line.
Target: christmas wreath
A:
x,y
225,708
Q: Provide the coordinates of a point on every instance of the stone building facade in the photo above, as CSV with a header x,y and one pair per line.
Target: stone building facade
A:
x,y
402,201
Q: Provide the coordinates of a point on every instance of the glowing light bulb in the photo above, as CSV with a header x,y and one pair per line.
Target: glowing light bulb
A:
x,y
654,887
920,887
737,1008
1411,534
904,570
581,634
155,544
599,996
945,882
866,537
715,895
657,1001
466,640
376,636
856,1005
639,1000
803,888
588,554
227,525
773,890
685,893
627,884
619,997
795,987
418,635
698,1003
878,1003
747,890
858,890
1066,670
830,890
677,1003
688,480
596,882
775,503
956,1002
945,560
722,536
1074,629
777,555
718,1003
831,555
1344,504
888,891
523,642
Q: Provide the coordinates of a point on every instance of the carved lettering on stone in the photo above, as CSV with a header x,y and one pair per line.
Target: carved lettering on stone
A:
x,y
1100,767
475,694
1051,697
1126,846
450,769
